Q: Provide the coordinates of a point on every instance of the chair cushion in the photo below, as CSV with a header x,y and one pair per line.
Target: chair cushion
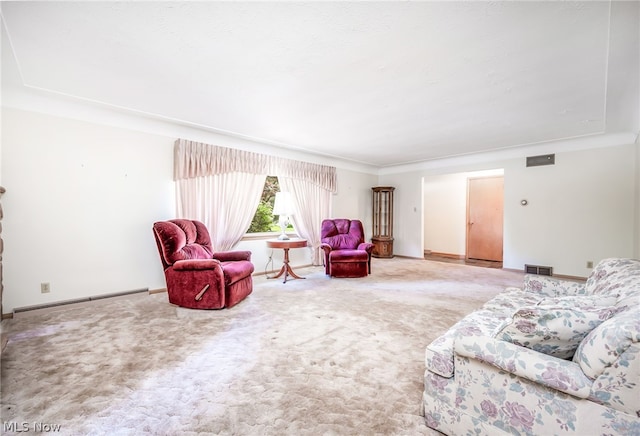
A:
x,y
183,240
342,233
348,256
343,241
238,270
349,269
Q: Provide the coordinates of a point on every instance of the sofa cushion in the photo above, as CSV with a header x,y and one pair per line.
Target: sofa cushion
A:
x,y
617,386
617,277
555,331
546,286
579,301
604,345
510,300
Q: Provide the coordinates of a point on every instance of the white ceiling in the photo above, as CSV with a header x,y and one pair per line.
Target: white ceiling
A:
x,y
380,83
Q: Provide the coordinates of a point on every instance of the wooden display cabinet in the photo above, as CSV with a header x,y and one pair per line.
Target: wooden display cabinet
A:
x,y
382,238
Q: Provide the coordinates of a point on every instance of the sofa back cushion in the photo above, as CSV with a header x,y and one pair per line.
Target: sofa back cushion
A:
x,y
574,301
553,330
615,277
604,345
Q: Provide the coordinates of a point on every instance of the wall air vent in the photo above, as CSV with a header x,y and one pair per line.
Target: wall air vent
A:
x,y
539,270
545,159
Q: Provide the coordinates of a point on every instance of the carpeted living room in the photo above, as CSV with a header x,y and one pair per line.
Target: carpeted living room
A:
x,y
313,356
483,155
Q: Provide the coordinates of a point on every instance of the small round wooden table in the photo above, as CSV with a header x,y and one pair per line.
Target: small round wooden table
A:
x,y
286,244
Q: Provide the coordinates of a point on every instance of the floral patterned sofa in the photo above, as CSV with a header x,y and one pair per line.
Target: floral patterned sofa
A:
x,y
554,358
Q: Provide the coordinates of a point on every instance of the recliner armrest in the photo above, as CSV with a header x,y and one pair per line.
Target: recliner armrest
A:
x,y
230,256
326,247
196,264
366,246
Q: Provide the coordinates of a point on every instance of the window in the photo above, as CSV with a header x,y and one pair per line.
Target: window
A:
x,y
264,220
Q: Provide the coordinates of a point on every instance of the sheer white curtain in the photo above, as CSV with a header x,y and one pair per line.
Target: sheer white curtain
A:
x,y
312,204
222,187
225,203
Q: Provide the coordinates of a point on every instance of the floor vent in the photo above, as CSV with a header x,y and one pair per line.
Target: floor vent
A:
x,y
539,270
545,159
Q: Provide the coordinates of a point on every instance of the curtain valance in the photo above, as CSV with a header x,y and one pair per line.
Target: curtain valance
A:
x,y
195,159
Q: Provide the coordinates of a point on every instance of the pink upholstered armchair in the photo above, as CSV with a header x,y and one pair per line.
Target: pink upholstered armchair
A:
x,y
345,252
197,277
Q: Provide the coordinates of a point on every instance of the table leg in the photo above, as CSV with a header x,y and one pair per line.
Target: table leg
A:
x,y
286,268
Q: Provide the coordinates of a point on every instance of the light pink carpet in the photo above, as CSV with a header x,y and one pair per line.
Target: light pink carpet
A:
x,y
309,357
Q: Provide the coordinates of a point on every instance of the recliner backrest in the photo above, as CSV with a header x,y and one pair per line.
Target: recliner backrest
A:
x,y
182,239
341,233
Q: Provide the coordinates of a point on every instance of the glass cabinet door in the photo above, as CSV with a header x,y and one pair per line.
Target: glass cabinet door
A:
x,y
382,237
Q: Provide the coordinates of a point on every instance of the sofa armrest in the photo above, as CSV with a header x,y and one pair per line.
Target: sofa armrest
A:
x,y
231,256
326,248
559,374
196,264
552,287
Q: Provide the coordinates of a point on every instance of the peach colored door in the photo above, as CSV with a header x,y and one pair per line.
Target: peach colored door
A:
x,y
485,207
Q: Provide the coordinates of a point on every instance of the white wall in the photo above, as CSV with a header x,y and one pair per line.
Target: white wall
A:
x,y
636,253
408,226
81,199
353,199
79,206
445,206
582,208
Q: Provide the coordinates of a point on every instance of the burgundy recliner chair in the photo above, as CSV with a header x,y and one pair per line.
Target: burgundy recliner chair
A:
x,y
197,277
345,252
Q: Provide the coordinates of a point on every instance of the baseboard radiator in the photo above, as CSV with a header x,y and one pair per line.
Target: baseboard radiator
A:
x,y
79,300
539,270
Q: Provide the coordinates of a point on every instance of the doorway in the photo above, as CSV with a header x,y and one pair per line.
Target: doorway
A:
x,y
445,217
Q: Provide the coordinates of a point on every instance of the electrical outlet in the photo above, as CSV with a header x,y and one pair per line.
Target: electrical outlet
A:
x,y
45,288
589,264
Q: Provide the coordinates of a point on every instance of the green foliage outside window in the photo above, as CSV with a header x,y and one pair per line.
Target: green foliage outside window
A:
x,y
263,220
